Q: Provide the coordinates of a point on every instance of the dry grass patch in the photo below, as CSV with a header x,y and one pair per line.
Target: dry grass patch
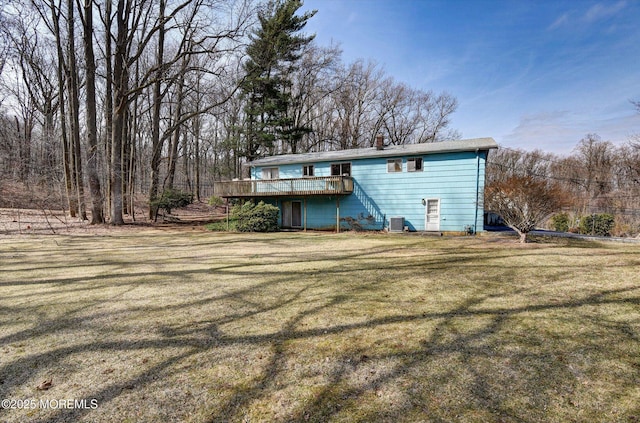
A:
x,y
202,327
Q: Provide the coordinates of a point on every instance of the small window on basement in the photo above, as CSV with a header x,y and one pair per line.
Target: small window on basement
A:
x,y
270,173
307,170
414,164
394,165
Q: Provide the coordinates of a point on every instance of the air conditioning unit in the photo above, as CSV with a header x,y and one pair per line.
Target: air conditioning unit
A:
x,y
396,224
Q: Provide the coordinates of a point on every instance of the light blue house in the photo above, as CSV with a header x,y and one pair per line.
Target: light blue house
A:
x,y
435,187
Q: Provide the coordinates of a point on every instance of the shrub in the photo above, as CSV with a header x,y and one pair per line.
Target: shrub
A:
x,y
223,225
560,222
597,224
215,201
259,217
172,199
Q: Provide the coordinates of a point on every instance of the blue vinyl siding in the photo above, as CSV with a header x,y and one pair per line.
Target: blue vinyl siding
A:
x,y
453,178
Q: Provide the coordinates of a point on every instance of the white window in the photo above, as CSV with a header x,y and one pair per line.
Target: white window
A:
x,y
270,173
414,164
307,170
341,169
394,165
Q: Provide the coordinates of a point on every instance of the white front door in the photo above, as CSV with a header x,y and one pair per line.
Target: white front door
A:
x,y
432,214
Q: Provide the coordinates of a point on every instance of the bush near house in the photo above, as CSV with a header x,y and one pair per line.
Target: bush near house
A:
x,y
215,201
259,217
171,199
560,222
597,224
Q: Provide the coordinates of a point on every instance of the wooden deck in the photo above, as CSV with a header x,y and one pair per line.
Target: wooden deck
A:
x,y
298,187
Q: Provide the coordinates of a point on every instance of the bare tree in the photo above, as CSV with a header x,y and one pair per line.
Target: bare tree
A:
x,y
157,107
595,156
53,15
195,37
97,213
34,94
507,162
523,202
312,85
74,109
153,94
354,105
135,29
435,117
409,115
365,102
396,112
120,102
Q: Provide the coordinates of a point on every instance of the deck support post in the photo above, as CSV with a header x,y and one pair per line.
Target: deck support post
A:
x,y
338,214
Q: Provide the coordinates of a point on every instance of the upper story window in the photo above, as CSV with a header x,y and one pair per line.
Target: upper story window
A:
x,y
307,170
394,165
270,173
341,169
414,164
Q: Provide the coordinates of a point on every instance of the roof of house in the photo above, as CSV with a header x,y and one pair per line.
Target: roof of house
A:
x,y
388,151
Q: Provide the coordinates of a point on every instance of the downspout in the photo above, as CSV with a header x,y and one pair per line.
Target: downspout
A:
x,y
475,222
338,214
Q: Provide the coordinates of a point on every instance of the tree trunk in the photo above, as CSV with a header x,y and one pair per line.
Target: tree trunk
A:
x,y
196,155
66,150
97,213
24,132
175,139
132,155
74,112
156,141
522,236
186,153
108,101
126,158
119,115
173,159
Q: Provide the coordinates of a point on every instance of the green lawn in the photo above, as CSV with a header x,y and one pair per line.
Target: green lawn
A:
x,y
207,327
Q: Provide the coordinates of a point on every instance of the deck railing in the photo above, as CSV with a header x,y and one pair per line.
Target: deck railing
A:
x,y
327,185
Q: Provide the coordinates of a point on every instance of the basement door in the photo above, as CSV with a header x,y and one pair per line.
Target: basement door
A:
x,y
432,214
292,214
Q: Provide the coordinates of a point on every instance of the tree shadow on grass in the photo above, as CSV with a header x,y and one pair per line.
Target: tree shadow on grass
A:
x,y
547,371
338,396
469,361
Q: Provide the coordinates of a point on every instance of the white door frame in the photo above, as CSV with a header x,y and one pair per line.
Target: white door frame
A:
x,y
431,220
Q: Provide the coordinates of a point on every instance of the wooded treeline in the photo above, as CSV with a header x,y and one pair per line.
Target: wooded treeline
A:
x,y
597,177
113,99
105,101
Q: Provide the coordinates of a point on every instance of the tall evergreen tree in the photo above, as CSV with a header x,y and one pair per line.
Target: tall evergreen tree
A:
x,y
275,48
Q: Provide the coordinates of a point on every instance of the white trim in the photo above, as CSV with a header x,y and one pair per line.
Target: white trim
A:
x,y
394,161
435,225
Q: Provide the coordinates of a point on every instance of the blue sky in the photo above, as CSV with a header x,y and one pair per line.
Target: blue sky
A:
x,y
530,74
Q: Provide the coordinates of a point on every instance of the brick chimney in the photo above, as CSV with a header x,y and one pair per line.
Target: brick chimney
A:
x,y
379,142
